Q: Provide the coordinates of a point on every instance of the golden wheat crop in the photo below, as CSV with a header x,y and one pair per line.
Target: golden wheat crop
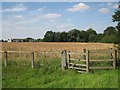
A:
x,y
48,49
53,46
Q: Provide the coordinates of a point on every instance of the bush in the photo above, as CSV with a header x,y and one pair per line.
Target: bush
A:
x,y
109,39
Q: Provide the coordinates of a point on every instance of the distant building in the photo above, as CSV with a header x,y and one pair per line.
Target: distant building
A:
x,y
9,40
16,40
21,40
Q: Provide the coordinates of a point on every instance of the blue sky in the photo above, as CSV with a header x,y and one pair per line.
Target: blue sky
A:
x,y
33,19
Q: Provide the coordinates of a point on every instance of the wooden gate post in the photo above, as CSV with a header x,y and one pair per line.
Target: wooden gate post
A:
x,y
68,61
84,54
32,62
87,60
6,58
115,59
111,53
64,59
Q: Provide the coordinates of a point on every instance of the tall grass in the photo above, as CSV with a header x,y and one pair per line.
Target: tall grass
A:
x,y
48,74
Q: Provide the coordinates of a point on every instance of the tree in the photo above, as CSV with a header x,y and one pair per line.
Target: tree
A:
x,y
92,35
28,39
109,35
63,37
49,36
91,31
116,18
110,31
108,39
73,35
83,36
99,37
57,36
92,38
39,40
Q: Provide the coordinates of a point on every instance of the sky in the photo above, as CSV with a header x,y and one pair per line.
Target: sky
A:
x,y
33,19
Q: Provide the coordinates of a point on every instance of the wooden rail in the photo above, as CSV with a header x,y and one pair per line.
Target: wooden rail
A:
x,y
68,62
105,67
32,54
72,63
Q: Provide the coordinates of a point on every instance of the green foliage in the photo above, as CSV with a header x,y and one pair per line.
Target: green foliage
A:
x,y
110,31
92,38
50,75
109,39
57,36
38,40
99,37
91,35
91,31
28,39
75,35
49,36
83,36
116,16
63,37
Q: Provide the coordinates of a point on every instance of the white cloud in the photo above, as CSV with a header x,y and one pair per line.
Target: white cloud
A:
x,y
79,7
51,15
103,10
17,8
115,6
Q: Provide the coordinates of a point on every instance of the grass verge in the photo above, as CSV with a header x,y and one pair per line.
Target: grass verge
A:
x,y
48,74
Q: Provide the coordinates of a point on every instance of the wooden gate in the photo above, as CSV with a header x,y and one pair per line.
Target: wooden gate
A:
x,y
80,64
83,64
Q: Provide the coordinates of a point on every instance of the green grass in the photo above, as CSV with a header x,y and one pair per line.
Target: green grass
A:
x,y
49,75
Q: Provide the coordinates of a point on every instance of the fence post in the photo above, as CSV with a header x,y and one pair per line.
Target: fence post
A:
x,y
87,60
115,59
68,61
111,53
6,58
32,62
84,54
63,59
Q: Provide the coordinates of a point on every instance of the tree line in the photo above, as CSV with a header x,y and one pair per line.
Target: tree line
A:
x,y
108,36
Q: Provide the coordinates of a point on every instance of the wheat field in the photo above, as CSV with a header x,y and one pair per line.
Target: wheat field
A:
x,y
53,46
49,49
